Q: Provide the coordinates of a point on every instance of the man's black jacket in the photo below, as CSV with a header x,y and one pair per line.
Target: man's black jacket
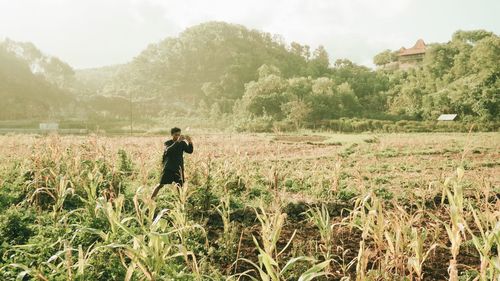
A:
x,y
173,159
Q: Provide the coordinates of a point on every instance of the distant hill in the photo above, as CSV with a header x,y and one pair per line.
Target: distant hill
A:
x,y
218,69
91,81
210,62
30,82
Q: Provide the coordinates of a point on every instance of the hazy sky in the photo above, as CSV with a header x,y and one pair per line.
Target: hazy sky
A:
x,y
92,33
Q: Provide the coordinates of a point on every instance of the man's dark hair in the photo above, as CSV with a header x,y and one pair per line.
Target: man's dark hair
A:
x,y
175,130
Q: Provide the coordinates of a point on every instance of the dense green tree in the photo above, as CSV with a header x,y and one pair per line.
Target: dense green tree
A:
x,y
319,64
297,111
300,87
384,58
324,100
367,85
348,100
265,95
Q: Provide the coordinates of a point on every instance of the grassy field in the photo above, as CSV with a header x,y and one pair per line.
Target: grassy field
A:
x,y
256,207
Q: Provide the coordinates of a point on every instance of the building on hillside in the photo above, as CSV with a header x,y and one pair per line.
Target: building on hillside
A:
x,y
447,117
413,56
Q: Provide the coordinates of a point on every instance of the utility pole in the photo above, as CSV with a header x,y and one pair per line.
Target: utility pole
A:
x,y
130,101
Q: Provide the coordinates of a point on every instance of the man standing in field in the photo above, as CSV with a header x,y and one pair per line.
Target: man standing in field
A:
x,y
173,159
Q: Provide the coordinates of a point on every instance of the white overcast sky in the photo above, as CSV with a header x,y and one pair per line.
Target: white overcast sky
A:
x,y
93,33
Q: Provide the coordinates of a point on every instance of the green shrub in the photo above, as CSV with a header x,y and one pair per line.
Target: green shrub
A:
x,y
347,194
15,225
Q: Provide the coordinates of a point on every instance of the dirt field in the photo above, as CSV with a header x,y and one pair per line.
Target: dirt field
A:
x,y
359,207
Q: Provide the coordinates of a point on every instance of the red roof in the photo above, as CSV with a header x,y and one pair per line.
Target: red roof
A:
x,y
418,48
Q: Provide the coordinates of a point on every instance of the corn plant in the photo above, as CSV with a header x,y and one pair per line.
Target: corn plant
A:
x,y
396,241
90,188
268,267
419,254
320,217
230,235
271,227
336,176
178,213
61,263
344,266
26,271
456,231
269,270
364,255
224,210
488,238
369,217
58,188
113,211
155,250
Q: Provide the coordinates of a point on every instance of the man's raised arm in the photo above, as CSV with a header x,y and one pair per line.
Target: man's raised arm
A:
x,y
189,147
